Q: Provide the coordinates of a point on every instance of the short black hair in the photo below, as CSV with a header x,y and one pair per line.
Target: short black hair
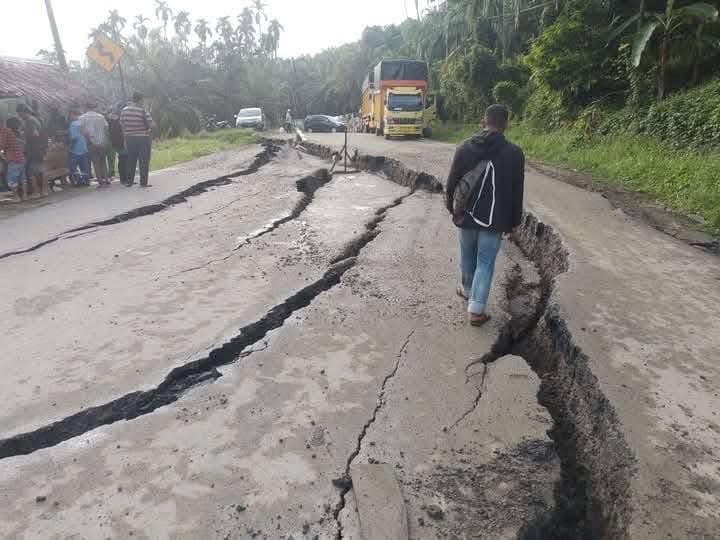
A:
x,y
137,96
13,123
497,116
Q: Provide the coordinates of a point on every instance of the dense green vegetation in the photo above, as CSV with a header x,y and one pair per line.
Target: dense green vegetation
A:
x,y
549,60
608,75
186,147
686,180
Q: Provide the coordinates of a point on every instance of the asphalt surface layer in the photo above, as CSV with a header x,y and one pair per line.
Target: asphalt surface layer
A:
x,y
626,343
213,368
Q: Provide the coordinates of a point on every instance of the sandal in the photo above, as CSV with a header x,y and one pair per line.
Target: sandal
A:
x,y
461,292
479,320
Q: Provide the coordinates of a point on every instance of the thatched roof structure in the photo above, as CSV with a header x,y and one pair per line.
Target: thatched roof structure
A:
x,y
35,80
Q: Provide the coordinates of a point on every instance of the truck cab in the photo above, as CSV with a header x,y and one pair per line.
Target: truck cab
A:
x,y
404,108
394,99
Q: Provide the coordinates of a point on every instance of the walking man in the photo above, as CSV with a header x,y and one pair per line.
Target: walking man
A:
x,y
485,196
95,129
137,126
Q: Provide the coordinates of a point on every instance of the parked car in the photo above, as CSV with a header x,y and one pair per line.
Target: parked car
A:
x,y
320,122
252,117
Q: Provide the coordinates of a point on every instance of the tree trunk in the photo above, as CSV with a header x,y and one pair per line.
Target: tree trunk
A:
x,y
56,36
662,64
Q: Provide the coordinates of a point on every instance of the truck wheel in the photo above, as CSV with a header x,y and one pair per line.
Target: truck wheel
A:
x,y
427,132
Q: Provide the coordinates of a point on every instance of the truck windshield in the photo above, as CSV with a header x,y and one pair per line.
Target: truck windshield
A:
x,y
405,102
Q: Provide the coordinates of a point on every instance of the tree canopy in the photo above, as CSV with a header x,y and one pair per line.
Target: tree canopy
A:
x,y
522,52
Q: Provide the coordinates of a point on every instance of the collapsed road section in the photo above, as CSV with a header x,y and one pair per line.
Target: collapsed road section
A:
x,y
363,358
255,452
593,498
628,340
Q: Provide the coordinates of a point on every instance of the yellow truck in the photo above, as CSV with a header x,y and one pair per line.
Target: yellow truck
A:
x,y
395,100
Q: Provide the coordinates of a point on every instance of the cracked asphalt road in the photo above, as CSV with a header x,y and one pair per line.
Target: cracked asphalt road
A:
x,y
354,349
628,347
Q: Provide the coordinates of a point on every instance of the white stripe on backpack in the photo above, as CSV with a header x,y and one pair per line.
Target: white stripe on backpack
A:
x,y
489,169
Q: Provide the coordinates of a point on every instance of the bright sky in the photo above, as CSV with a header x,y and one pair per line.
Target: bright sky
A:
x,y
310,25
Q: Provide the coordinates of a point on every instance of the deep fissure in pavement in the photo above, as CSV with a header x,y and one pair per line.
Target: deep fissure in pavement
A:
x,y
592,498
264,157
182,378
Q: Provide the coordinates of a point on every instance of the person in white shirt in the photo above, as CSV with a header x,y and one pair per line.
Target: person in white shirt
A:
x,y
96,131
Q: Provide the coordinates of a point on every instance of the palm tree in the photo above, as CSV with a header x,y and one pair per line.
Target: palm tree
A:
x,y
259,7
115,23
140,27
668,25
163,13
202,31
246,30
274,31
183,26
224,29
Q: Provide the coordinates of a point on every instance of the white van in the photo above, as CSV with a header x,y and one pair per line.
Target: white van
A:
x,y
252,117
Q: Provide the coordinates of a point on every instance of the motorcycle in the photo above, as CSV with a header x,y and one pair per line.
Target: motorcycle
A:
x,y
213,124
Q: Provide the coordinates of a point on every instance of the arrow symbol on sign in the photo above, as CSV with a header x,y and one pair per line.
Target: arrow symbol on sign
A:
x,y
103,52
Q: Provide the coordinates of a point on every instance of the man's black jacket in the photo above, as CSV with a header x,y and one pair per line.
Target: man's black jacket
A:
x,y
509,163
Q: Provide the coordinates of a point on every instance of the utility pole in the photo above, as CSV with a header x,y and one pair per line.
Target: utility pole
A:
x,y
56,36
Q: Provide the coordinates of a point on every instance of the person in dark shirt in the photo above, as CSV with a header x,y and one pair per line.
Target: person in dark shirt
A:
x,y
36,145
117,146
495,207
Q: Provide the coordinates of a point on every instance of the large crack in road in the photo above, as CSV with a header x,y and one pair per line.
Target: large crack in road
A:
x,y
180,379
261,159
592,498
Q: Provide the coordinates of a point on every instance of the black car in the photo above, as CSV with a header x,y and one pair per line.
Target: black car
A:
x,y
320,122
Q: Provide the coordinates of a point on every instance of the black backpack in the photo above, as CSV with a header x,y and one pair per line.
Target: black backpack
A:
x,y
474,195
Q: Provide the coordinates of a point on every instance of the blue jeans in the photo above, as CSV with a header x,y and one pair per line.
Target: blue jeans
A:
x,y
81,162
478,251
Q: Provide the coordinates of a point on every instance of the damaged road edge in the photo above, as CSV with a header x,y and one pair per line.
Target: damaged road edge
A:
x,y
593,498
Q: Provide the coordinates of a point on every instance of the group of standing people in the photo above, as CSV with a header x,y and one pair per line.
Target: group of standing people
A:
x,y
122,136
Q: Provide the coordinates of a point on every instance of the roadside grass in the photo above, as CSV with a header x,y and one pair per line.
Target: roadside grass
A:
x,y
169,152
453,133
687,181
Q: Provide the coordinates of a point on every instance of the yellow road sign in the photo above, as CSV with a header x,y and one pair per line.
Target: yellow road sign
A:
x,y
105,52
